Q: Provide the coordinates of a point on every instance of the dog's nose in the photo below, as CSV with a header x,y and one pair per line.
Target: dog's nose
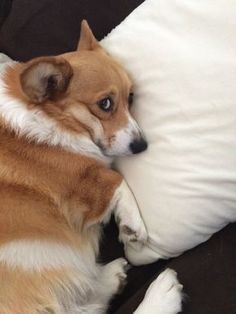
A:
x,y
138,146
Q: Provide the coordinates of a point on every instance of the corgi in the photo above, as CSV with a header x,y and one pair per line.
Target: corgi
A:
x,y
62,120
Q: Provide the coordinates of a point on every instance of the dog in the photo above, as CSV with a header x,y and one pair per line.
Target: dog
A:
x,y
62,120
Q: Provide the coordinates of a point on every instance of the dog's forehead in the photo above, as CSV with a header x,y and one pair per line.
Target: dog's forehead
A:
x,y
99,66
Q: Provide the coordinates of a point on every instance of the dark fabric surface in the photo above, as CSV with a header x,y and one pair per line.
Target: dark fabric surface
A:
x,y
5,6
207,272
48,27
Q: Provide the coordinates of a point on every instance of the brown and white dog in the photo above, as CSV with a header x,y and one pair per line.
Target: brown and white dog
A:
x,y
61,120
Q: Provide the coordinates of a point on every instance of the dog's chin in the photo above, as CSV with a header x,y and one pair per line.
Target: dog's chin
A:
x,y
137,146
113,154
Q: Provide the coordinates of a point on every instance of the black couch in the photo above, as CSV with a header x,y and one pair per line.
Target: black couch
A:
x,y
47,27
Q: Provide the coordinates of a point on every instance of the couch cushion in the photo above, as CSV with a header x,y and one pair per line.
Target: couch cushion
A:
x,y
5,7
45,27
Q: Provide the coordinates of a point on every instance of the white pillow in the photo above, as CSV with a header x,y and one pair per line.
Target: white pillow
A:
x,y
181,55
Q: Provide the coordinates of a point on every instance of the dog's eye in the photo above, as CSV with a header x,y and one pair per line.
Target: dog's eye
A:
x,y
105,104
131,99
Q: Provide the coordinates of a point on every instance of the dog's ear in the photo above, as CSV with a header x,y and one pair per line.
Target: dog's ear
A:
x,y
87,40
45,78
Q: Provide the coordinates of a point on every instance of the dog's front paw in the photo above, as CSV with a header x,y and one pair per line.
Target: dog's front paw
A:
x,y
132,231
164,296
115,273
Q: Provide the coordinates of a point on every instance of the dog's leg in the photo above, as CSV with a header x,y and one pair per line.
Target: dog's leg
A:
x,y
127,215
111,281
164,296
110,194
113,277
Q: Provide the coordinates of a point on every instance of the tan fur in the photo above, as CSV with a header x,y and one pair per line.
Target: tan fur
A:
x,y
29,293
52,182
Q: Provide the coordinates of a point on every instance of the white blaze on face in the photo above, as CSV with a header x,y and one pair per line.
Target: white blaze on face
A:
x,y
123,138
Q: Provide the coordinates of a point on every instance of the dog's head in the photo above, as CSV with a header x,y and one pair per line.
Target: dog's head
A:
x,y
86,92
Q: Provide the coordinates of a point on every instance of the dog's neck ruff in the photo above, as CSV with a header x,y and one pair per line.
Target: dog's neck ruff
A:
x,y
34,125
